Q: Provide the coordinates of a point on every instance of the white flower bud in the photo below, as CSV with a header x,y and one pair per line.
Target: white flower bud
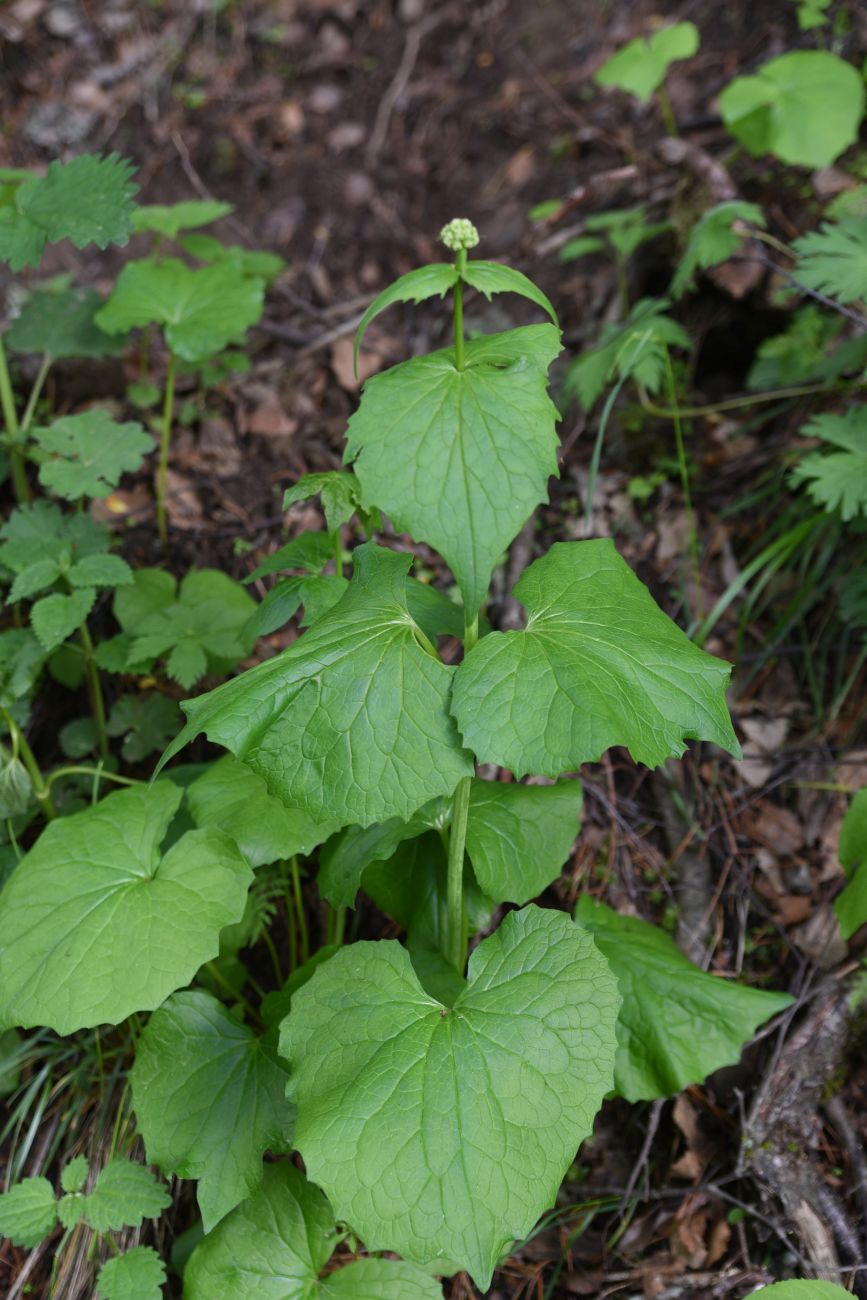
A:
x,y
458,234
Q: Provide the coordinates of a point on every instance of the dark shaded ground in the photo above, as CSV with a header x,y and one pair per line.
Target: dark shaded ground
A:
x,y
346,134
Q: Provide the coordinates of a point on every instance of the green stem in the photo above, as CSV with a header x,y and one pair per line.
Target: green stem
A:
x,y
338,553
35,392
94,688
10,419
683,466
165,437
299,908
738,403
41,791
460,264
667,111
455,949
98,772
336,925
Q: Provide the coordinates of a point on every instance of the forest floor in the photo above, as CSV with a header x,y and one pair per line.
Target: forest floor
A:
x,y
345,134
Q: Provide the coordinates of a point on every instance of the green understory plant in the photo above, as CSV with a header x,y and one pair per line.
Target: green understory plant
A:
x,y
641,66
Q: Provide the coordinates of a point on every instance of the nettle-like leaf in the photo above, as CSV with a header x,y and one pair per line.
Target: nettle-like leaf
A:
x,y
805,107
55,617
146,722
250,262
677,1024
96,924
89,453
231,797
641,66
812,1290
209,1096
713,239
837,480
169,219
62,325
833,259
200,311
74,1176
309,552
40,531
851,904
138,1274
21,661
635,349
88,201
416,286
460,458
451,1143
341,499
124,1195
599,664
351,722
16,786
28,1212
203,627
491,277
276,1245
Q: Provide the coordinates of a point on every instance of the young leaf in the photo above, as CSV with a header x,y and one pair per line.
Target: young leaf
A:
x,y
309,552
851,904
459,458
805,107
96,924
341,497
276,1245
837,480
424,282
124,1195
519,836
641,66
62,325
35,578
88,201
351,722
636,347
28,1212
54,618
491,277
168,219
232,798
90,452
74,1175
812,1290
200,311
833,259
626,230
138,1274
210,1098
677,1023
713,239
100,571
599,664
146,722
466,1125
583,246
41,532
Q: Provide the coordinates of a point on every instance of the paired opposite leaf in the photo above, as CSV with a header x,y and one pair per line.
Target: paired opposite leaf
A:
x,y
95,924
209,1095
441,1133
350,723
599,664
677,1024
460,458
276,1245
168,219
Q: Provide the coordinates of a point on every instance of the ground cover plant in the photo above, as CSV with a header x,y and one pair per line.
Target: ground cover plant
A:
x,y
328,849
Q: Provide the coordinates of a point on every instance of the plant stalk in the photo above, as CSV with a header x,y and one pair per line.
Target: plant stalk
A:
x,y
165,438
303,936
456,912
40,788
338,553
35,392
10,419
460,263
94,689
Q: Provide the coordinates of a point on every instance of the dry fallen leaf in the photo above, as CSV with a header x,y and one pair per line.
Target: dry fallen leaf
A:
x,y
342,352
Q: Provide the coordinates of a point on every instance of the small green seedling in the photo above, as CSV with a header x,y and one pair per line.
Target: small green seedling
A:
x,y
715,237
805,108
623,233
640,68
634,348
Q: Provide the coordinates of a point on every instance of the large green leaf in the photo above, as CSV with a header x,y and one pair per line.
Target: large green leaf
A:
x,y
138,1274
62,325
95,924
88,201
351,722
641,66
424,282
232,798
490,278
599,664
347,856
677,1024
805,107
519,836
200,311
443,1133
276,1245
209,1096
125,1193
460,458
88,453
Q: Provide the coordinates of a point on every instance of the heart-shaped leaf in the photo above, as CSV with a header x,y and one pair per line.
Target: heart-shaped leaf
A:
x,y
95,924
138,1274
599,664
443,1133
209,1096
276,1245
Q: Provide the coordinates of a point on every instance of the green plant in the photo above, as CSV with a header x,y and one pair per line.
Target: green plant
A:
x,y
812,13
851,904
622,232
642,66
436,1103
